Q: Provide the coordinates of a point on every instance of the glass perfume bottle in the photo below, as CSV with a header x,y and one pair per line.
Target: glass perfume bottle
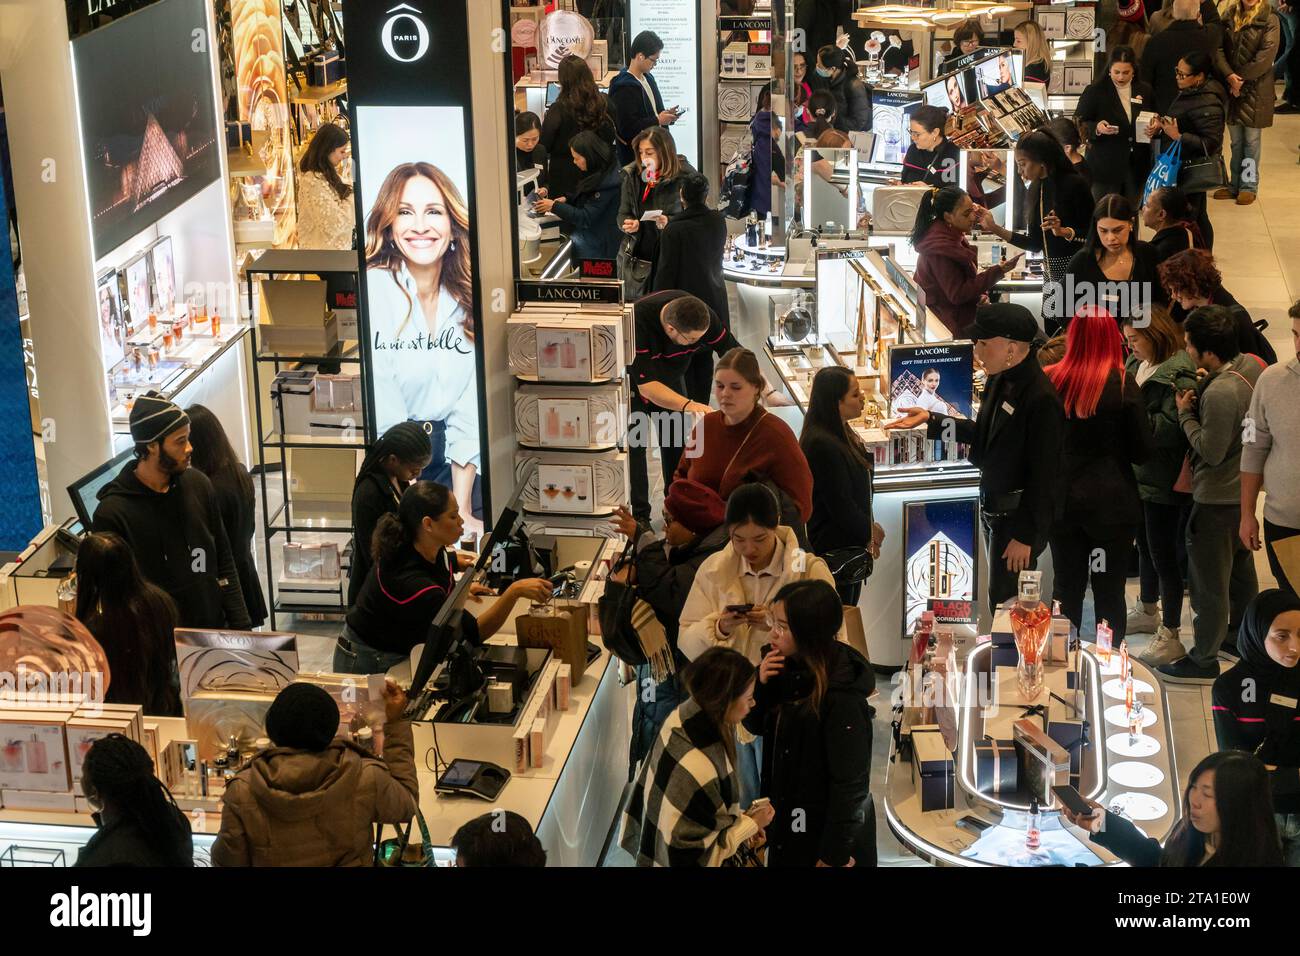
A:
x,y
1034,833
216,324
1105,641
1134,722
1031,620
1125,671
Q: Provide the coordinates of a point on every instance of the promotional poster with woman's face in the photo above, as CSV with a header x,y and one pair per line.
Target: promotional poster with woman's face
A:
x,y
413,183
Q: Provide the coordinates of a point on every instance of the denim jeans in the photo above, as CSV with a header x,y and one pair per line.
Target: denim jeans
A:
x,y
1288,827
362,658
1243,171
1222,578
749,760
654,702
1281,69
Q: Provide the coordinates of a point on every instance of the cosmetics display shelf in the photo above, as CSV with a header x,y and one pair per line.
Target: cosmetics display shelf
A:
x,y
315,95
274,446
179,380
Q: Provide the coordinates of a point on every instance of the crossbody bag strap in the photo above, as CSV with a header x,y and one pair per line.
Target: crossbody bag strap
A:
x,y
744,441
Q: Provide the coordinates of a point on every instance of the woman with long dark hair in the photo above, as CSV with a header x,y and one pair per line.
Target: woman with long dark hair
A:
x,y
412,575
591,210
810,707
1066,132
947,264
133,620
1058,203
236,500
580,106
1108,111
139,822
653,180
1106,434
327,215
842,471
1228,820
420,293
392,463
1161,367
685,807
1114,269
1251,703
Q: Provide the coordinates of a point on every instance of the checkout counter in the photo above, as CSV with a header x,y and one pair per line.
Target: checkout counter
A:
x,y
944,806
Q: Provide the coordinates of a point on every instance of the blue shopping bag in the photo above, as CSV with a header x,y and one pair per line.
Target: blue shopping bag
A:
x,y
1165,171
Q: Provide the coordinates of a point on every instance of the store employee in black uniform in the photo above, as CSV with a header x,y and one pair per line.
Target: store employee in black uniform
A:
x,y
1015,442
671,327
411,577
932,158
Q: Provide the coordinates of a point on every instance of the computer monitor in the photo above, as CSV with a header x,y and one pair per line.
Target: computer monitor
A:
x,y
84,492
552,94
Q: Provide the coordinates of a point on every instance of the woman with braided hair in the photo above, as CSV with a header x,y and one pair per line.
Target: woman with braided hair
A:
x,y
139,822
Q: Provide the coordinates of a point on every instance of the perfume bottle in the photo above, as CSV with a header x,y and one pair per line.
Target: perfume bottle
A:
x,y
38,760
1105,641
1135,722
216,324
1125,671
232,752
153,320
751,230
1033,835
552,423
1030,621
921,639
1128,695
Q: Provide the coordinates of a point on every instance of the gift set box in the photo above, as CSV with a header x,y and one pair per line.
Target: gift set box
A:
x,y
932,769
238,135
997,769
325,68
1043,763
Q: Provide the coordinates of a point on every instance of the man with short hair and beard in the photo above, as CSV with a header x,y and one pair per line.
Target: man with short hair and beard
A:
x,y
167,512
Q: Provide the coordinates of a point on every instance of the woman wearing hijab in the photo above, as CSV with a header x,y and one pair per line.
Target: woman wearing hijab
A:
x,y
1255,704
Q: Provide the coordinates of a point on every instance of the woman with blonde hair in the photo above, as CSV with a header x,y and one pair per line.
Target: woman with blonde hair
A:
x,y
1028,38
420,295
653,180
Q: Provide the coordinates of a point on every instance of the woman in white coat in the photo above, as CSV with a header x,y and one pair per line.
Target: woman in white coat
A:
x,y
728,603
421,308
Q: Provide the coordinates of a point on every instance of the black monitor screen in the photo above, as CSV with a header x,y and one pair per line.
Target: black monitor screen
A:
x,y
84,491
148,117
552,93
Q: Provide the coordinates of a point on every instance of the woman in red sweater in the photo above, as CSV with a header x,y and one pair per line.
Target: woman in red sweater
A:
x,y
946,266
742,438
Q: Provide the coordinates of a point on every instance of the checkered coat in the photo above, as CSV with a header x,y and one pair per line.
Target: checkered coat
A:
x,y
684,810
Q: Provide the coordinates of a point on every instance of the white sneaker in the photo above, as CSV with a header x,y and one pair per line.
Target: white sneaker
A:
x,y
1143,619
1165,648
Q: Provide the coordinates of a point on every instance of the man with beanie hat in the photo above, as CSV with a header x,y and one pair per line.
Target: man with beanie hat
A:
x,y
663,570
168,514
314,798
1015,442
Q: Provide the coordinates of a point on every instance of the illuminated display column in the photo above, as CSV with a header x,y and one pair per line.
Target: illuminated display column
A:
x,y
679,73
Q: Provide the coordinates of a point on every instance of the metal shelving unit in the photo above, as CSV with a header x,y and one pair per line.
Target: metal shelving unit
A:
x,y
270,429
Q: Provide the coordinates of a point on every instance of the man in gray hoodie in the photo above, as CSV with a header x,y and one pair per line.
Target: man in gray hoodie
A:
x,y
1270,459
1221,569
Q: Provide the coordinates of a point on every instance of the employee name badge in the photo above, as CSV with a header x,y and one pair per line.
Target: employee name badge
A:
x,y
1288,702
1105,641
1008,408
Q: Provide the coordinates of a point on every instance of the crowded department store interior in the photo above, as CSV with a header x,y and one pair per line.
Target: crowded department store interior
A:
x,y
641,433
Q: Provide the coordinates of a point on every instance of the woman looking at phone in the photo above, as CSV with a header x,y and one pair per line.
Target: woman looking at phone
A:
x,y
1227,821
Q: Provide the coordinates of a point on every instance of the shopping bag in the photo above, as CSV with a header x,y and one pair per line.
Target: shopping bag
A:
x,y
1165,171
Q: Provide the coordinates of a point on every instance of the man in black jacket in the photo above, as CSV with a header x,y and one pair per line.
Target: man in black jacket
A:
x,y
1165,49
634,95
852,98
167,512
1015,442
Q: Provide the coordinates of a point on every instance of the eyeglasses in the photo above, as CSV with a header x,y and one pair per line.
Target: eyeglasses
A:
x,y
778,627
1182,75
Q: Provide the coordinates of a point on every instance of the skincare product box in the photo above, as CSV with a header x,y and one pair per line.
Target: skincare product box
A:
x,y
932,769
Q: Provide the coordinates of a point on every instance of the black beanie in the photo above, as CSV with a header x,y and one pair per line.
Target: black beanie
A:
x,y
153,418
303,717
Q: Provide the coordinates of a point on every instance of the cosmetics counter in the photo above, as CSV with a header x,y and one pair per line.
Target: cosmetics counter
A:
x,y
969,758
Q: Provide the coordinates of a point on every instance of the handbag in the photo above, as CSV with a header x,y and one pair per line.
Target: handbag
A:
x,y
393,852
634,271
1202,175
1165,171
615,613
850,565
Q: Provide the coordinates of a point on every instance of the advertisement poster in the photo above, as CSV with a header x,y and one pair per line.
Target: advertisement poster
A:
x,y
139,291
938,378
891,111
164,277
112,328
677,23
998,74
148,114
940,545
409,79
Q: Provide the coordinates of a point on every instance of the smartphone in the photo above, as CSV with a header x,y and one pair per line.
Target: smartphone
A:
x,y
740,608
973,824
1073,800
681,110
759,803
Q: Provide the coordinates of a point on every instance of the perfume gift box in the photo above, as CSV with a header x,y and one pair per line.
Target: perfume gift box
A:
x,y
996,766
307,561
34,752
325,68
1068,733
83,732
1043,762
213,718
1060,641
291,400
219,662
295,317
581,417
932,769
551,346
238,134
572,483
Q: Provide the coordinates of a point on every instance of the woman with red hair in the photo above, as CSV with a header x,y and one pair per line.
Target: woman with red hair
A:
x,y
1106,434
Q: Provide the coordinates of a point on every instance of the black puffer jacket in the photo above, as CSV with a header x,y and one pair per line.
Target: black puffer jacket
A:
x,y
1250,52
664,577
817,762
1201,114
852,100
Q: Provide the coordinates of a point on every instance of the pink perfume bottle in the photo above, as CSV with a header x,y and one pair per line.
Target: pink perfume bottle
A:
x,y
38,760
1031,621
1034,834
13,756
568,355
552,423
